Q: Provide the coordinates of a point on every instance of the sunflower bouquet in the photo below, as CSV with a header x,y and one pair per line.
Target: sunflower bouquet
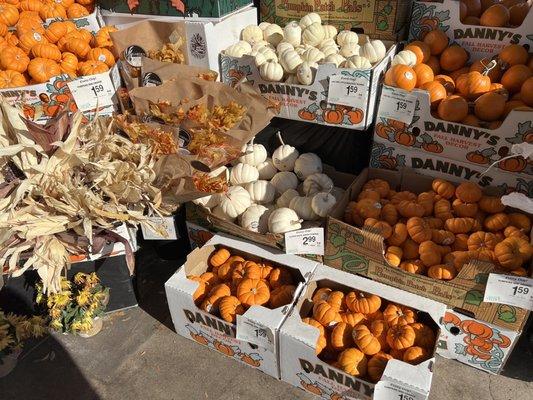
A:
x,y
16,329
74,308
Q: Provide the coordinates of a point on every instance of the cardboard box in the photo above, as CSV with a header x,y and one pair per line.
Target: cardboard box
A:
x,y
302,368
213,9
211,331
381,19
479,41
309,103
359,251
438,139
205,40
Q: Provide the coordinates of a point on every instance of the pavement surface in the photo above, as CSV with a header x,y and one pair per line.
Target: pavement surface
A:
x,y
137,355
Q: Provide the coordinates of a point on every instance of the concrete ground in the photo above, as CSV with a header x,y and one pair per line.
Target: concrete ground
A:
x,y
139,356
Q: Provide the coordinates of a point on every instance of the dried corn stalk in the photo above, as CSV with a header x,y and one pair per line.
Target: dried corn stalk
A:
x,y
63,189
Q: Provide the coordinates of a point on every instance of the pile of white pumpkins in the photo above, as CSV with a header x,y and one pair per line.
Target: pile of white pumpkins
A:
x,y
280,194
292,54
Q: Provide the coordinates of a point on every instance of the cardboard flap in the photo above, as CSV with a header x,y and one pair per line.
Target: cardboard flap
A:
x,y
415,376
299,330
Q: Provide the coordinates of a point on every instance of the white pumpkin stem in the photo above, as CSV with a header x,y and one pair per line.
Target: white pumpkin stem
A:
x,y
488,66
280,138
299,221
252,141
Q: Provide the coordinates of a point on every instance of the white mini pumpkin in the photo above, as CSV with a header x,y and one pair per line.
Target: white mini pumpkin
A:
x,y
357,62
234,202
307,164
347,37
261,192
312,54
323,203
254,154
373,50
305,73
283,220
349,50
285,199
405,57
284,156
219,213
252,34
271,71
262,43
317,183
283,47
330,31
292,79
273,34
309,19
284,181
313,34
293,33
266,169
255,219
302,206
243,173
327,43
263,25
336,59
259,58
301,49
268,52
290,60
329,50
237,50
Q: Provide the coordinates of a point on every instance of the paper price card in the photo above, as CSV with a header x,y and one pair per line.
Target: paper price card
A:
x,y
386,390
166,226
510,289
305,241
348,91
254,332
396,105
92,91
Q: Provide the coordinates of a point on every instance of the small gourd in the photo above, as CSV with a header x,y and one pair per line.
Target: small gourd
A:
x,y
234,202
243,173
283,220
285,199
284,181
253,219
373,50
309,19
290,60
271,71
336,59
347,37
237,50
330,32
302,206
293,33
284,156
273,34
252,34
312,54
313,34
307,164
349,50
304,72
405,57
266,169
317,183
254,154
323,203
357,62
261,192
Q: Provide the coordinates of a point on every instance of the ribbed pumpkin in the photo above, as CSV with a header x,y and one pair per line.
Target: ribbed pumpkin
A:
x,y
46,50
518,13
29,39
485,67
10,78
496,16
92,67
69,62
453,108
76,11
3,29
473,8
421,50
453,58
30,14
526,92
77,46
26,24
473,84
42,69
437,41
424,74
102,38
401,76
103,55
447,82
9,14
489,106
52,10
434,64
514,77
30,5
55,31
513,54
14,58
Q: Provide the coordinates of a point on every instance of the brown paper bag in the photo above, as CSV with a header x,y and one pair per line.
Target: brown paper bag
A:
x,y
154,72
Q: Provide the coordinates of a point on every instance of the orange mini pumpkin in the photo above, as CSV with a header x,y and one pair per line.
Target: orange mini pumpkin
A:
x,y
210,278
447,82
282,295
352,318
521,221
42,69
513,54
368,208
379,329
76,11
473,8
379,185
437,41
279,277
418,229
9,14
389,214
443,188
434,64
46,50
52,10
380,227
415,355
215,295
102,55
326,314
430,253
376,365
485,67
341,337
453,58
230,307
401,76
399,234
512,252
400,337
472,84
442,209
459,225
518,13
442,272
365,340
526,91
453,108
424,74
10,79
27,24
496,222
468,192
353,362
219,257
78,47
201,290
55,31
436,91
410,249
413,266
13,58
496,15
396,314
253,292
92,67
336,299
422,50
29,39
393,255
462,209
321,294
514,77
362,302
424,335
490,106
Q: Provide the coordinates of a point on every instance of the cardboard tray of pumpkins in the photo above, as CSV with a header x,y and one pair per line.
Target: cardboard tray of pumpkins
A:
x,y
483,28
453,272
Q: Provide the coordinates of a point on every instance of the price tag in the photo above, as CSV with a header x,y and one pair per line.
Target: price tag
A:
x,y
167,229
254,332
305,241
90,91
348,91
397,105
386,390
510,289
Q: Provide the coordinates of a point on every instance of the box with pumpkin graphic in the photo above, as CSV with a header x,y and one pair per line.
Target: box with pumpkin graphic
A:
x,y
349,337
500,28
232,296
476,147
309,103
405,264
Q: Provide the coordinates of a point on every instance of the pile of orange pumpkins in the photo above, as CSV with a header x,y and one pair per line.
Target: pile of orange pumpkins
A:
x,y
479,94
437,232
496,13
31,53
360,332
232,284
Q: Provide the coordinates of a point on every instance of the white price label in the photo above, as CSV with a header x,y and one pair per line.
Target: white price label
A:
x,y
254,332
396,105
348,91
166,229
510,289
92,91
386,390
305,241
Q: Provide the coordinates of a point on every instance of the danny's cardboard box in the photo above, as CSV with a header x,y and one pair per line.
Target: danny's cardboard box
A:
x,y
301,367
380,19
310,103
479,41
360,251
253,340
